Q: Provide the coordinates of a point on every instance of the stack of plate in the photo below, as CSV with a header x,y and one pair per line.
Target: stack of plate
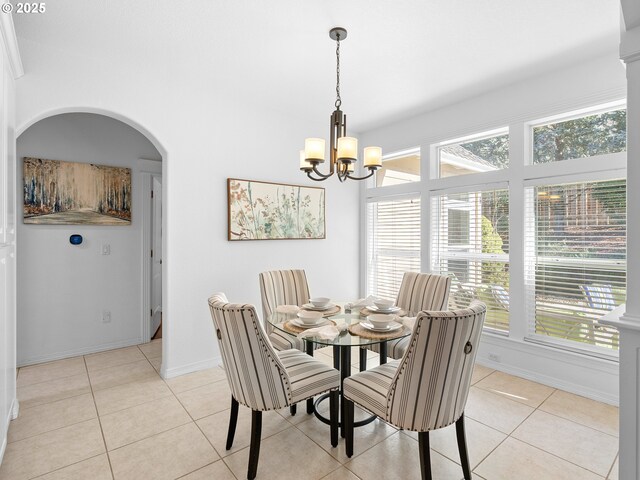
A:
x,y
320,323
390,327
387,310
310,306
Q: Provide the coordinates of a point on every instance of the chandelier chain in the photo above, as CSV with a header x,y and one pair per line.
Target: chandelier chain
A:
x,y
338,99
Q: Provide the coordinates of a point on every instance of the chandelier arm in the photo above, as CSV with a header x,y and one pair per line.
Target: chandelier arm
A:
x,y
320,174
371,172
314,179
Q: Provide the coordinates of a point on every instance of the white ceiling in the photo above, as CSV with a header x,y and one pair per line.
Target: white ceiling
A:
x,y
402,57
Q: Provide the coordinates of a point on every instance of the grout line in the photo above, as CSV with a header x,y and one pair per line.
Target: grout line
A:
x,y
58,428
557,456
70,465
580,424
24,407
612,465
49,379
104,441
207,465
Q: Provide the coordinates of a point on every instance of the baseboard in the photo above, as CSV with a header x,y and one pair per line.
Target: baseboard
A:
x,y
582,375
79,351
5,434
15,409
190,367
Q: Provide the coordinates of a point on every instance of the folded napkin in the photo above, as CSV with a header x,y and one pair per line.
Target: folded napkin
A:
x,y
287,309
327,332
363,302
408,322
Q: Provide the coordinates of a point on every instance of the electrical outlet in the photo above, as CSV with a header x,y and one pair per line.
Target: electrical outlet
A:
x,y
105,249
106,316
494,357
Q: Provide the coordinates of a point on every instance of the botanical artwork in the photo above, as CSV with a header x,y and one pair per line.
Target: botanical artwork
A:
x,y
70,193
272,211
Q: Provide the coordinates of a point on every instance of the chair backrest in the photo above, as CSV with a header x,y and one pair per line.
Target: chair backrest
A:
x,y
423,291
255,374
599,296
431,385
283,287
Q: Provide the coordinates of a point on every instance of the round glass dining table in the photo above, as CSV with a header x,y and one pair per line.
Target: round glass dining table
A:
x,y
342,346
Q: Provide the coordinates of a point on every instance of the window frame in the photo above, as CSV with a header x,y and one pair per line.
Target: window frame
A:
x,y
518,176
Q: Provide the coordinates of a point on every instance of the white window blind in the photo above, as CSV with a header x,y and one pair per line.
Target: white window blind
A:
x,y
393,244
470,242
575,260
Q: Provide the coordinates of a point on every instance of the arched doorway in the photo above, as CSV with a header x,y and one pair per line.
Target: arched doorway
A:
x,y
101,276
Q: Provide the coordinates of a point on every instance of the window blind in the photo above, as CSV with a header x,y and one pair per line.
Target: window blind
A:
x,y
470,242
393,237
575,261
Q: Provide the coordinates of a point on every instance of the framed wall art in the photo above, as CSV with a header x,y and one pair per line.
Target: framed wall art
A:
x,y
71,193
274,211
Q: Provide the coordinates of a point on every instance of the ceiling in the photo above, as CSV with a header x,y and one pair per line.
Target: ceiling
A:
x,y
401,57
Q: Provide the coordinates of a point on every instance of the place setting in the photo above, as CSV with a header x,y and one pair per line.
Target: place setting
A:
x,y
385,323
382,306
322,305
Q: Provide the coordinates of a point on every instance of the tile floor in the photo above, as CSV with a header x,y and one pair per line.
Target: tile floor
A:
x,y
111,416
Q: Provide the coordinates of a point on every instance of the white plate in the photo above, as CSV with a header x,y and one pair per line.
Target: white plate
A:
x,y
309,306
298,323
390,328
373,308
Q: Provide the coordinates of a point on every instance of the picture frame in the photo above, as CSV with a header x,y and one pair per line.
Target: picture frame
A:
x,y
259,210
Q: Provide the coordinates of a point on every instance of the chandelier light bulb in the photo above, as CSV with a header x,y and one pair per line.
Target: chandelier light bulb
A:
x,y
314,150
304,165
373,157
347,149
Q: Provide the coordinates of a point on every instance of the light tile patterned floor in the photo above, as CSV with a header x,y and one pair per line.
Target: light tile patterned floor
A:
x,y
110,415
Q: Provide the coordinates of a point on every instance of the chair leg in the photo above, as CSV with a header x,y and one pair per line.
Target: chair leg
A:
x,y
254,449
333,416
462,448
233,421
425,455
363,359
348,425
309,350
293,409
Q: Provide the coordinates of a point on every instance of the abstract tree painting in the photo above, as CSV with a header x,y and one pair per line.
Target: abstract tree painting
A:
x,y
69,193
273,211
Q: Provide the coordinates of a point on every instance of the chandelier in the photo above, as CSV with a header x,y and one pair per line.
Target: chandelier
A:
x,y
343,150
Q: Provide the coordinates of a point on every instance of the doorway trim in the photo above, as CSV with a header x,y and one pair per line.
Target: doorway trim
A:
x,y
164,154
148,169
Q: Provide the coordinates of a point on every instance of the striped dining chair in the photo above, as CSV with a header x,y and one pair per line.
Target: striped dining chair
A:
x,y
283,287
261,378
428,388
418,292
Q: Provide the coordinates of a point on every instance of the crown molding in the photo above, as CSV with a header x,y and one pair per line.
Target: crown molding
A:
x,y
630,45
11,44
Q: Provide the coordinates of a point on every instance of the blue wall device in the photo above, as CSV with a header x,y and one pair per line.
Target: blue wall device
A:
x,y
75,239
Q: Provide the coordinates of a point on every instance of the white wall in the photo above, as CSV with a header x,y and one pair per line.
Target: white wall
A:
x,y
581,85
9,66
205,135
63,289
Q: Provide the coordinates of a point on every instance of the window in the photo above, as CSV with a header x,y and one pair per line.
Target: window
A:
x,y
393,244
398,168
470,242
576,259
586,136
484,154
